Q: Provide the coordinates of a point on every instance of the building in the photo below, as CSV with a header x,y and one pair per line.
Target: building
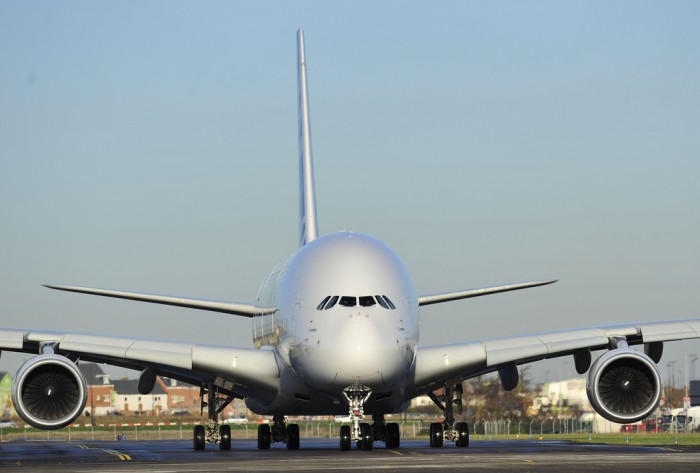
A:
x,y
129,401
100,390
183,398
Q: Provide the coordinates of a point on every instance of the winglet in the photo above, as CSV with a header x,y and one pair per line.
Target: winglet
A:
x,y
308,230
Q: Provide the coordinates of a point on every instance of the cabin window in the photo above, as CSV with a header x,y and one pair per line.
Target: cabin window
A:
x,y
348,301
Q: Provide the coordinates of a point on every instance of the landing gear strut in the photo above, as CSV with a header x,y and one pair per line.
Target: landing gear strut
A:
x,y
363,433
356,396
213,433
449,429
279,432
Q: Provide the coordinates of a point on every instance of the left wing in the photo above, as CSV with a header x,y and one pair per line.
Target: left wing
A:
x,y
438,365
50,392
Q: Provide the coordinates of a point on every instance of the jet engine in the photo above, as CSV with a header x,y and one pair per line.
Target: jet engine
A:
x,y
49,392
624,385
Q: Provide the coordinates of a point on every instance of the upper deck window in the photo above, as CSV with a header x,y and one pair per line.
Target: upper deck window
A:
x,y
348,301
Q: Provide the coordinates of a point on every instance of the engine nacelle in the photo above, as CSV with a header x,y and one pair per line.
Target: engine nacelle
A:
x,y
624,385
49,392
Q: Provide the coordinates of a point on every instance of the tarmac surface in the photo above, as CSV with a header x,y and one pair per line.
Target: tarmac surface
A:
x,y
323,455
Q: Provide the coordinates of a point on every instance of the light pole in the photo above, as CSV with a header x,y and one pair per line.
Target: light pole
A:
x,y
687,381
669,367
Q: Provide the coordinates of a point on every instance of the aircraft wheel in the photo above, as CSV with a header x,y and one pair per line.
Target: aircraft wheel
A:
x,y
345,438
436,435
199,437
367,437
393,435
264,436
462,429
225,437
293,436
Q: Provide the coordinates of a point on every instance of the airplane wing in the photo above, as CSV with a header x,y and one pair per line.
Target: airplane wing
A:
x,y
235,371
428,299
235,308
438,365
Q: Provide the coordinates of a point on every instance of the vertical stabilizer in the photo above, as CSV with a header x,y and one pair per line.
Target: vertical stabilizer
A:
x,y
308,230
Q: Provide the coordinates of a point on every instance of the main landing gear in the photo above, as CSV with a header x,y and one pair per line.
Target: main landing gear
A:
x,y
449,429
213,433
279,432
363,433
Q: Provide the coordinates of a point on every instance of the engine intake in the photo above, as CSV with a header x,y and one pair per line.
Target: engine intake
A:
x,y
624,385
49,392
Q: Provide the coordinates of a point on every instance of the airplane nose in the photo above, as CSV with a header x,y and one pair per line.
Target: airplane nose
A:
x,y
364,348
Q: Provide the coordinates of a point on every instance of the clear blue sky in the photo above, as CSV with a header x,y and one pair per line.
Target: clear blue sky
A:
x,y
152,146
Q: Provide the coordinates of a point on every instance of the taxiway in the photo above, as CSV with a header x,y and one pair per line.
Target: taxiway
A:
x,y
323,455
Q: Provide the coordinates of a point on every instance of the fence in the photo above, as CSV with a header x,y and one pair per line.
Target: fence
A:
x,y
172,432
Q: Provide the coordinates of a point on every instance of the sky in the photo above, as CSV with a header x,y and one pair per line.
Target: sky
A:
x,y
152,146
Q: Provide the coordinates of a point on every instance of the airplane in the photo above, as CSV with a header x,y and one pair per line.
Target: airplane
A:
x,y
336,332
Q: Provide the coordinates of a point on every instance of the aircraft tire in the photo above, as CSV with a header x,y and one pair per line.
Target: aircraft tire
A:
x,y
462,429
293,436
436,435
393,435
264,436
345,438
199,437
367,441
225,437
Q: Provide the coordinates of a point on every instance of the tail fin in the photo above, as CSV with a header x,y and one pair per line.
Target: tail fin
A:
x,y
308,230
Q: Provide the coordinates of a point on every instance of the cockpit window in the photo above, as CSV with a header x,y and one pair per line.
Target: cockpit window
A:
x,y
348,301
332,302
382,302
323,302
329,302
367,301
388,301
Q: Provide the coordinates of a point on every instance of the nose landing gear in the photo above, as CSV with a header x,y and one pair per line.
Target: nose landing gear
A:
x,y
363,433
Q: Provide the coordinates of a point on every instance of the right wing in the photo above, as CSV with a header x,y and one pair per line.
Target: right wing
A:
x,y
244,372
428,299
438,365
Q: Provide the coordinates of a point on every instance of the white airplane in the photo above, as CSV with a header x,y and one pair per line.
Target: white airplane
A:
x,y
335,331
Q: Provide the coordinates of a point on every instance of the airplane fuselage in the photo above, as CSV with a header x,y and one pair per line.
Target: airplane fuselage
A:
x,y
347,315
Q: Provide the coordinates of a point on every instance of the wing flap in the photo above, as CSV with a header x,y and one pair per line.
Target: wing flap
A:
x,y
11,339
